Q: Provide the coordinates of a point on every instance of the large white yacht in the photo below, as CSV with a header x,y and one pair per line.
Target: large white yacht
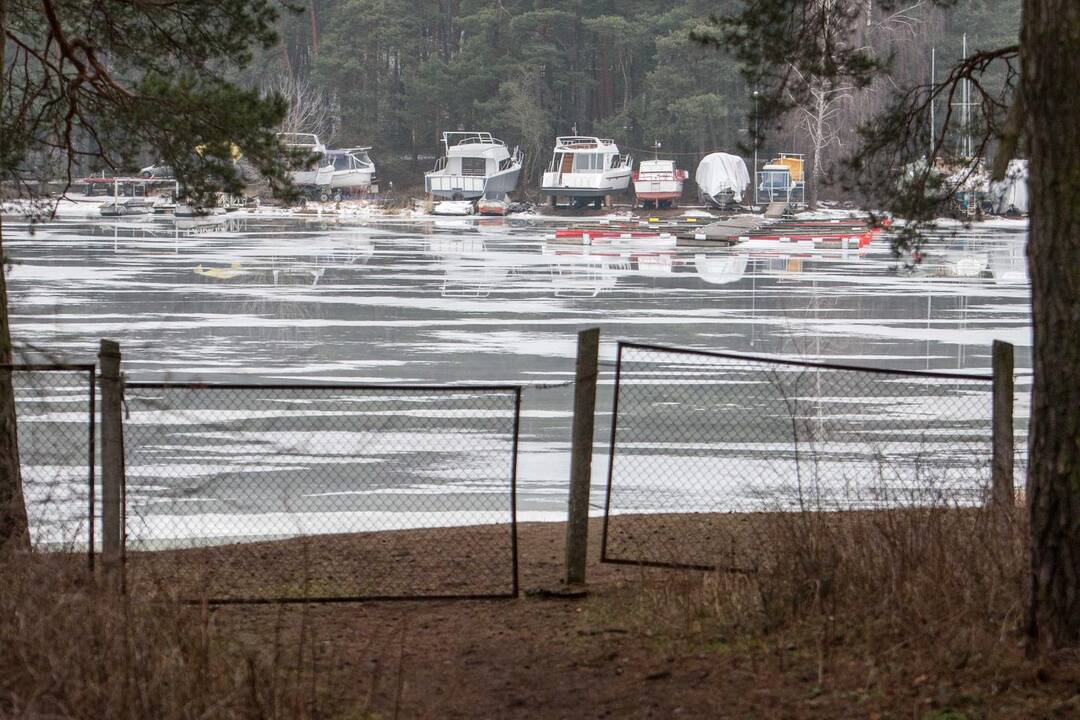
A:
x,y
476,165
586,169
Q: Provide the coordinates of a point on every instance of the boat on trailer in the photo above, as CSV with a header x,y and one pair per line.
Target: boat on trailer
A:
x,y
658,183
354,171
476,165
586,169
319,169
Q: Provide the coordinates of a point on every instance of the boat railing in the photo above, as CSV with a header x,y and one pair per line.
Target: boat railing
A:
x,y
440,165
470,138
581,142
516,158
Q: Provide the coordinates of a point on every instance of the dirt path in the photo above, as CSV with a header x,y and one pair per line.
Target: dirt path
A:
x,y
605,656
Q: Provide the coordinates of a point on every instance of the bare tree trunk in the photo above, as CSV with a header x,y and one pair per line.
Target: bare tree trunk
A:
x,y
1050,42
314,29
14,530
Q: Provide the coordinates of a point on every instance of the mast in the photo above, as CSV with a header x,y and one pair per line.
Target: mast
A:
x,y
933,79
964,115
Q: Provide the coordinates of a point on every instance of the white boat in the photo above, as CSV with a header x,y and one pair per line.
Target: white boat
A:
x,y
1010,195
721,179
187,210
354,171
319,169
127,206
475,165
586,168
658,183
454,207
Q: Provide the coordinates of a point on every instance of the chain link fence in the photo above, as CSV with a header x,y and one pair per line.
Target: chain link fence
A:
x,y
54,408
703,441
257,493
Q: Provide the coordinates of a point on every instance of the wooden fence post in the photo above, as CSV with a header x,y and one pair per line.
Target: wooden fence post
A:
x,y
577,520
112,462
1003,490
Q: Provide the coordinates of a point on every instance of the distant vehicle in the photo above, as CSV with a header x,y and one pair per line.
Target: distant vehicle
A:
x,y
475,165
159,171
721,179
658,183
586,169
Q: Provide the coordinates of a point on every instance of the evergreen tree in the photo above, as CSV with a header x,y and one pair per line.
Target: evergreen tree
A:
x,y
93,82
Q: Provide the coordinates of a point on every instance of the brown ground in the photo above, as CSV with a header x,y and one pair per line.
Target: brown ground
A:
x,y
608,655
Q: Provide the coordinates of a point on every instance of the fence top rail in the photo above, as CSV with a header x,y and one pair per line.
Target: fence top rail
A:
x,y
384,387
804,363
47,367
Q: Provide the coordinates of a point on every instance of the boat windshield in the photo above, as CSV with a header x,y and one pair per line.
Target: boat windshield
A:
x,y
775,179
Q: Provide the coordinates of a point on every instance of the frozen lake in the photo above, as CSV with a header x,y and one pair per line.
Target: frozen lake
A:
x,y
488,301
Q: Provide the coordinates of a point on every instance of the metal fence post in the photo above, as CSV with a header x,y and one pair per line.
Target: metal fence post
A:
x,y
1002,491
112,462
577,520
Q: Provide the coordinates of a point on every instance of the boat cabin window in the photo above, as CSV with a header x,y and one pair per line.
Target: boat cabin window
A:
x,y
589,162
343,162
474,166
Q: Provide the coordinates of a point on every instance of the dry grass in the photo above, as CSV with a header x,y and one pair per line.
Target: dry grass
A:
x,y
71,650
928,600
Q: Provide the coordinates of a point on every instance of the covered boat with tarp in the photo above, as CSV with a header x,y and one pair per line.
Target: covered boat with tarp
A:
x,y
721,179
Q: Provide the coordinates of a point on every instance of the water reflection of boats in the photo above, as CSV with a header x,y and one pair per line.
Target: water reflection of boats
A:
x,y
232,272
1008,264
469,270
127,207
585,276
223,222
721,269
964,265
584,272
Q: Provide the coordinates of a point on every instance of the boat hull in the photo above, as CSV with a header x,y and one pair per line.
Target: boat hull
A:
x,y
351,179
586,185
663,190
467,187
114,209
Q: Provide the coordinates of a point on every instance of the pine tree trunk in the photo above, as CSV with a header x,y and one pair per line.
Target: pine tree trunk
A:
x,y
14,531
1050,45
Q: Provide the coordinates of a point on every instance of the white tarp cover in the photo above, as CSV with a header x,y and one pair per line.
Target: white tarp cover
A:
x,y
1012,192
718,172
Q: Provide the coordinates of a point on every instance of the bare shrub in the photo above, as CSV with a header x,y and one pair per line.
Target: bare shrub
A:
x,y
72,650
948,580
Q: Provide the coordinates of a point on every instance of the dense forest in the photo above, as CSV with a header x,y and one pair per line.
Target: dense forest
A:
x,y
393,74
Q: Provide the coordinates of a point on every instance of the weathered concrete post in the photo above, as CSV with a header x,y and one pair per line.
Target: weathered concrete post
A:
x,y
1003,491
112,462
577,520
